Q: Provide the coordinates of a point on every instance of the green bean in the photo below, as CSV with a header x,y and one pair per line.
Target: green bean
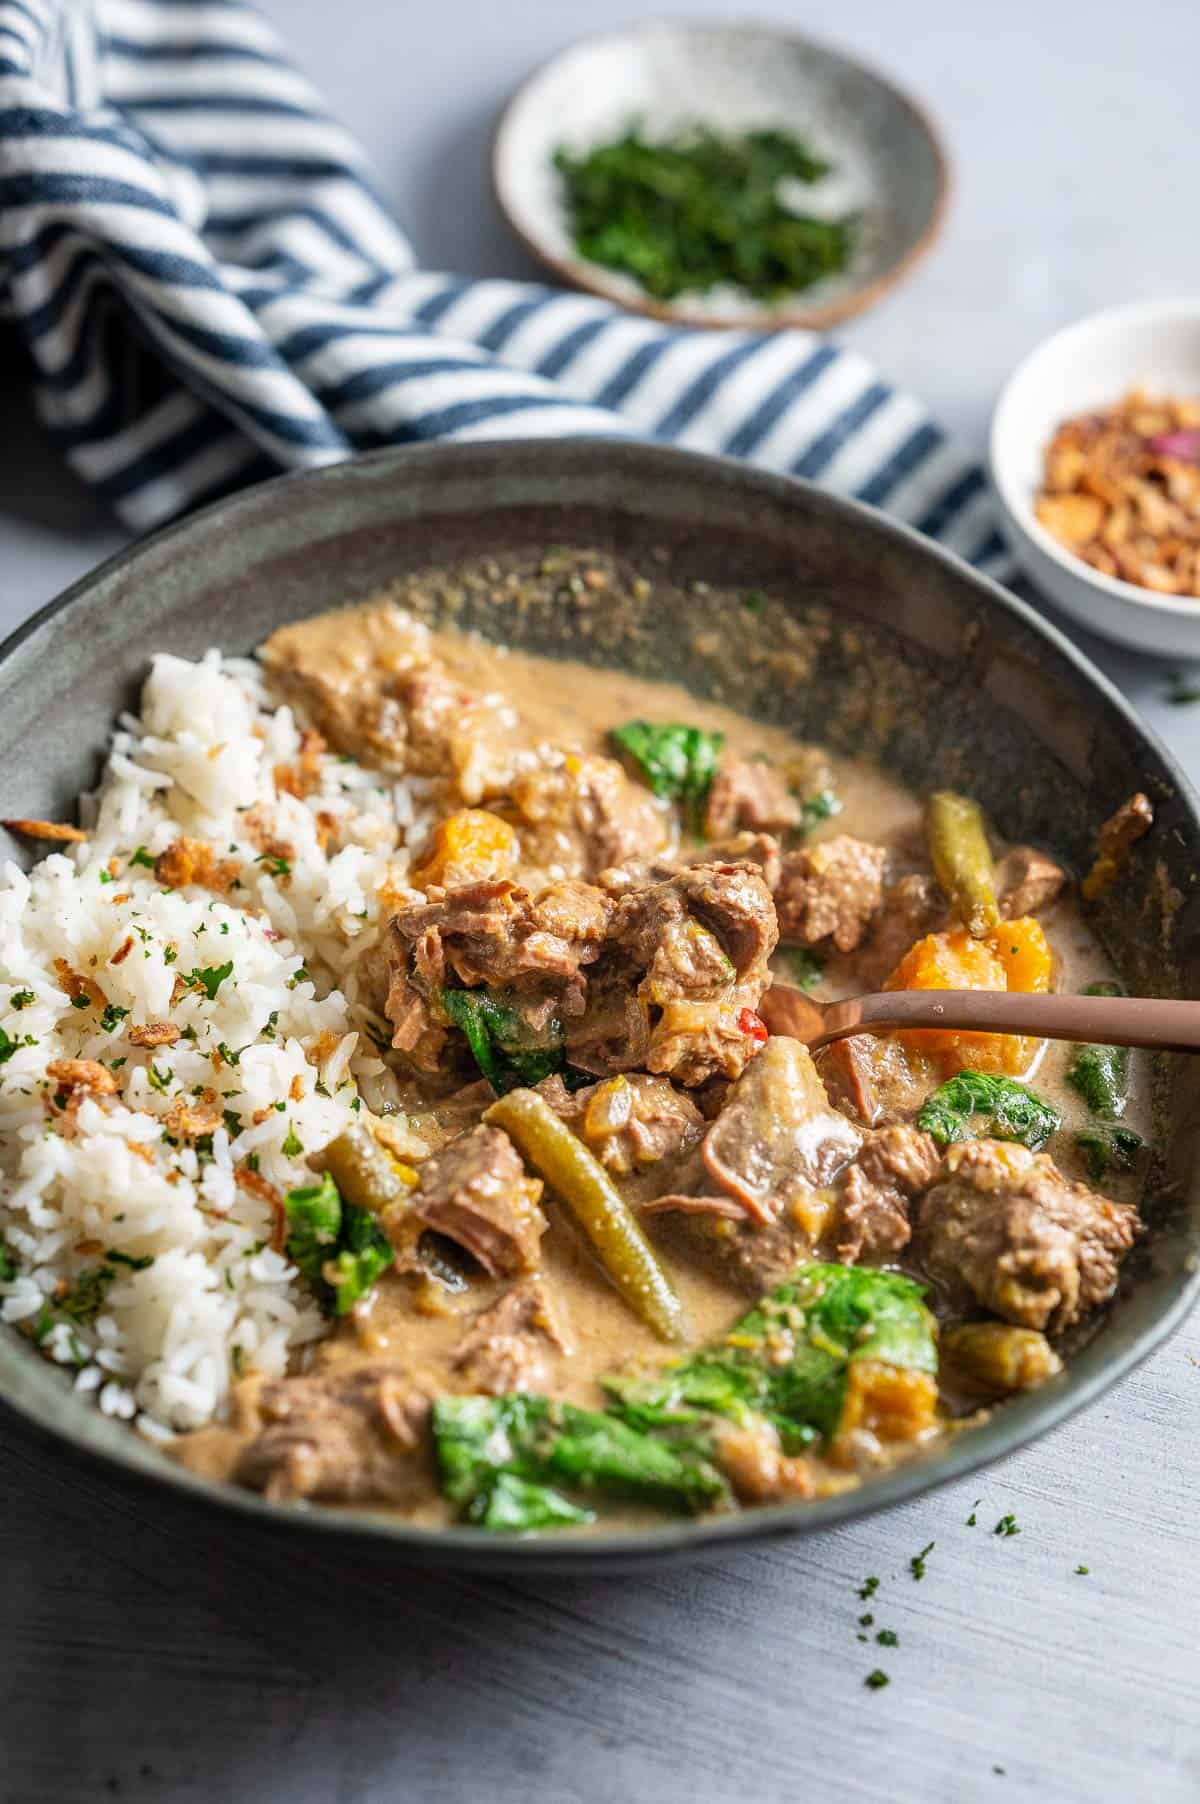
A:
x,y
363,1172
597,1205
962,859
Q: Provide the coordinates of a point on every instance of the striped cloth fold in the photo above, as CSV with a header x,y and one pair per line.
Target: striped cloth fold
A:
x,y
211,290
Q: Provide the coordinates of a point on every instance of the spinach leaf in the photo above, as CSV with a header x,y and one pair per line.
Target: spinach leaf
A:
x,y
676,762
789,1359
501,1043
1109,1149
819,807
518,1506
807,967
1101,1076
1012,1111
481,1440
340,1248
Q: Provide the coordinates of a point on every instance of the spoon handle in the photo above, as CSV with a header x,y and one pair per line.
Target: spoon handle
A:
x,y
1170,1026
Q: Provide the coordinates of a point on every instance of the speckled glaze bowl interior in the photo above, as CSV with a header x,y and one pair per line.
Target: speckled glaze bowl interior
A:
x,y
871,639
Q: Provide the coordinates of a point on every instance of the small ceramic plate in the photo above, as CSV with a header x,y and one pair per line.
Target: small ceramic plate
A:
x,y
888,165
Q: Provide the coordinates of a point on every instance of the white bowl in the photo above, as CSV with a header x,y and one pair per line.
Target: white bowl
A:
x,y
1153,345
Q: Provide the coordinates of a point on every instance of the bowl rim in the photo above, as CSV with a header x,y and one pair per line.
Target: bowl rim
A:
x,y
129,1460
592,277
1019,508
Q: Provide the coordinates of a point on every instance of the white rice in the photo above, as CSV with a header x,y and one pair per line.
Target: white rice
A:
x,y
215,1301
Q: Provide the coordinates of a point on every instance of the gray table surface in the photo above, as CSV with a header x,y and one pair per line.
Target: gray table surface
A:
x,y
150,1657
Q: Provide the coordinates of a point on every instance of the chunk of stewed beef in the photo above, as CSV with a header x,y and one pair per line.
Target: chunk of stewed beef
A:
x,y
830,891
683,970
476,1192
629,1121
497,934
748,793
1027,880
513,1344
579,814
1005,1229
893,1165
335,1437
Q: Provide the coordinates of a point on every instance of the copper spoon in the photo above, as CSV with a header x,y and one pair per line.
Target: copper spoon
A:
x,y
1092,1020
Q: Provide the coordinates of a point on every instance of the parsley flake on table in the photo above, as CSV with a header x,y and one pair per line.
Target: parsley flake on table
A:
x,y
868,1588
917,1564
875,1681
1006,1527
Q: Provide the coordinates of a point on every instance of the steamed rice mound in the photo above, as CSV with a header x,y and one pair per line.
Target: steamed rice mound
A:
x,y
140,1195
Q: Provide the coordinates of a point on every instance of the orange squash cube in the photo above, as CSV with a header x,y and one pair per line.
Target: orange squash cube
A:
x,y
1016,956
466,847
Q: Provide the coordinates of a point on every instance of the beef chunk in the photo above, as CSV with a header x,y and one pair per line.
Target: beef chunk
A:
x,y
476,1192
1114,842
757,1196
685,959
894,1165
870,1078
830,891
493,933
912,907
512,1344
629,1121
776,1133
579,816
761,850
337,1437
1006,1229
1027,880
370,681
748,793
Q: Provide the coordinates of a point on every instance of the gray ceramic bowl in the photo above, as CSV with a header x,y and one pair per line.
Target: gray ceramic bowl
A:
x,y
906,655
888,165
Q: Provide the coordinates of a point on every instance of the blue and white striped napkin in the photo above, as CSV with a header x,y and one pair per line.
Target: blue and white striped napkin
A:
x,y
212,291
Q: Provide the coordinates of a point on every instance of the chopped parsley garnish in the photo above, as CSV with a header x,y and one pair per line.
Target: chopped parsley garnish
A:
x,y
170,954
142,856
1083,1571
107,877
917,1564
676,762
1011,1111
233,1122
1006,1527
299,975
210,978
868,1588
10,1043
9,1266
236,1358
158,1080
227,1053
703,208
21,999
112,1017
1181,690
865,1620
83,1300
972,1519
875,1681
278,867
807,968
340,1248
83,1001
888,1638
268,1032
292,1146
